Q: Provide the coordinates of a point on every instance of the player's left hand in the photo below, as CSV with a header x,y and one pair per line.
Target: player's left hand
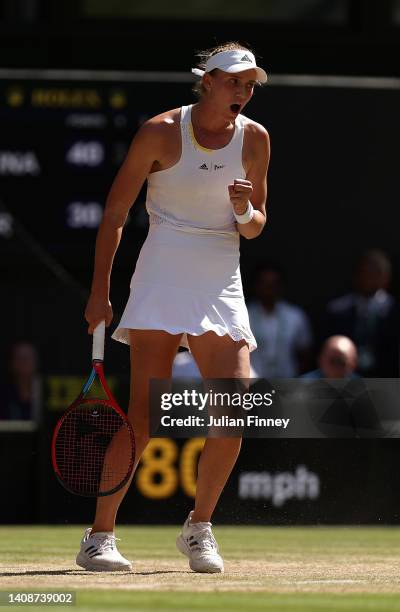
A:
x,y
239,194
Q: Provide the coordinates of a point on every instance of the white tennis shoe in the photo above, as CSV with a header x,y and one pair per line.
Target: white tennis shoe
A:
x,y
198,543
99,553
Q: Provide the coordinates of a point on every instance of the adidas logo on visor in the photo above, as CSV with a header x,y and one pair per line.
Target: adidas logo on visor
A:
x,y
245,58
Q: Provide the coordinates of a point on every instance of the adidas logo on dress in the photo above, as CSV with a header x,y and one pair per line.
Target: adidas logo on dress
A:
x,y
203,167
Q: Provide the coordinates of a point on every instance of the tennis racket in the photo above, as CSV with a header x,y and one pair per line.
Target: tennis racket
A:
x,y
93,446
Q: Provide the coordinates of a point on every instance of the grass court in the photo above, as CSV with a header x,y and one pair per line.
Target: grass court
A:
x,y
313,569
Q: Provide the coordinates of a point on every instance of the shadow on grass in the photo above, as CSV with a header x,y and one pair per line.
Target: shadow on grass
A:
x,y
76,572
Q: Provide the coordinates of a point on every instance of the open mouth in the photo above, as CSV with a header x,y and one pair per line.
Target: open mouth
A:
x,y
235,108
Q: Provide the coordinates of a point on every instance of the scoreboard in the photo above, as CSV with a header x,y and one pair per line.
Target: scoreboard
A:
x,y
62,142
64,135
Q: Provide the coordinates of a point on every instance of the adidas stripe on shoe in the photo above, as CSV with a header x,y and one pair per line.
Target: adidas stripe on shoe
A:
x,y
99,553
198,543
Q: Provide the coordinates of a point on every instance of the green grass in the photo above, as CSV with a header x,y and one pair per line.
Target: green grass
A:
x,y
238,602
314,569
24,542
234,602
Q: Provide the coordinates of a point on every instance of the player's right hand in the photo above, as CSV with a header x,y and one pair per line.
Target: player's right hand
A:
x,y
98,309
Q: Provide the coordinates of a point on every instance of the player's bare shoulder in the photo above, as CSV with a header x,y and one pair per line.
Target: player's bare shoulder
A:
x,y
161,136
164,125
256,143
254,132
158,139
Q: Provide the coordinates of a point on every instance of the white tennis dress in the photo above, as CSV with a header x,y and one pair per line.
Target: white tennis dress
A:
x,y
187,277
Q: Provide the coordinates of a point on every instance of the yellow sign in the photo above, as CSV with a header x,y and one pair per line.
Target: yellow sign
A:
x,y
118,99
15,97
63,390
66,98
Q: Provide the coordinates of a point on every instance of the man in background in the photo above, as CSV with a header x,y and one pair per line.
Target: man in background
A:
x,y
337,359
282,330
369,316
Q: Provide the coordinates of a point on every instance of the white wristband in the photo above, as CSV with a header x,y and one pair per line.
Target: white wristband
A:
x,y
247,216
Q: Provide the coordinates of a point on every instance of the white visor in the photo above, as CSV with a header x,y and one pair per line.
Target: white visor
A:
x,y
233,61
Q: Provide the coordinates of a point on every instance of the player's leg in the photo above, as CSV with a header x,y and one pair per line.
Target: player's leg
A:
x,y
152,355
216,357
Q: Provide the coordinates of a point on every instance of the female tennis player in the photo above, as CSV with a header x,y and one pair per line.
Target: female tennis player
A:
x,y
206,166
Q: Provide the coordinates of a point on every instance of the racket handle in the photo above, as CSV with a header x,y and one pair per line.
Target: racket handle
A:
x,y
98,341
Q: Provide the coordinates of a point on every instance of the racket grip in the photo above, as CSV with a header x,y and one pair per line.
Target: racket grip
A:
x,y
98,341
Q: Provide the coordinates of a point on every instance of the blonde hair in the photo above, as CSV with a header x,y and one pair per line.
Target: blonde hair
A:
x,y
203,56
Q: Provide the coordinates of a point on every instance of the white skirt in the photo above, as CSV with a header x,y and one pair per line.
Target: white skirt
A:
x,y
187,282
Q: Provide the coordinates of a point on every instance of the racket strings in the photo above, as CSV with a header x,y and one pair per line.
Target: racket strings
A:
x,y
94,449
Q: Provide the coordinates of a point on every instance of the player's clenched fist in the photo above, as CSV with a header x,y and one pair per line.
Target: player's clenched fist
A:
x,y
240,193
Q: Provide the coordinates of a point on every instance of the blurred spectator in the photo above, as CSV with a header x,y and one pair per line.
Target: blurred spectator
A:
x,y
19,393
282,330
336,398
337,359
369,316
184,365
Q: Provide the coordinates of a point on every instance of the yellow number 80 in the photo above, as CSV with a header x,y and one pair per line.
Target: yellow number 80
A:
x,y
157,477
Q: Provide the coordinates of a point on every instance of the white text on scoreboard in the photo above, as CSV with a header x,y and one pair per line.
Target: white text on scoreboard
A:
x,y
84,215
90,153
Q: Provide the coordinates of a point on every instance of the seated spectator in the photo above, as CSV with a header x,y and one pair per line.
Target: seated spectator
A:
x,y
282,330
19,393
335,399
337,359
369,316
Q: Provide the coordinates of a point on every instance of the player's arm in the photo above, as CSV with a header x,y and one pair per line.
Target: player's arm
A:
x,y
254,188
123,193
